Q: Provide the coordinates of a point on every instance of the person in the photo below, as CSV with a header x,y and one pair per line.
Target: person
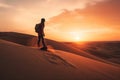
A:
x,y
40,31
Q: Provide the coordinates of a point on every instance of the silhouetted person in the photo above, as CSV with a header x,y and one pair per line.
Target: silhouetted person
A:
x,y
39,28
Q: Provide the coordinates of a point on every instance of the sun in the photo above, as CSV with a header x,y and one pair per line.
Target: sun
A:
x,y
77,38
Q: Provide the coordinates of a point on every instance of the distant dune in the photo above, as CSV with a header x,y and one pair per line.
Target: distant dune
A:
x,y
26,63
108,50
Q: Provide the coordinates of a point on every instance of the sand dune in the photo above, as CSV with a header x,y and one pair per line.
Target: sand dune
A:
x,y
24,63
30,40
107,50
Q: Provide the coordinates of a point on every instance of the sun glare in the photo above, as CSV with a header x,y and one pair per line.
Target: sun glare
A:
x,y
76,36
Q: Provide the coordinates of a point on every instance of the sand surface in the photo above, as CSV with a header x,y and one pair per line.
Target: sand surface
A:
x,y
18,62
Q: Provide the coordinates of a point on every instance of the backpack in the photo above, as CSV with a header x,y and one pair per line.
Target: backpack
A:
x,y
37,27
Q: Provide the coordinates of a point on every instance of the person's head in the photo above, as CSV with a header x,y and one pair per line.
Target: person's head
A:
x,y
42,20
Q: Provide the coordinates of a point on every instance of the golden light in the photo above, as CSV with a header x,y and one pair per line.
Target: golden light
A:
x,y
77,36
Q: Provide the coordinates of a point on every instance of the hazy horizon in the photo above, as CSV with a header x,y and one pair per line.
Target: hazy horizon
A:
x,y
76,42
66,20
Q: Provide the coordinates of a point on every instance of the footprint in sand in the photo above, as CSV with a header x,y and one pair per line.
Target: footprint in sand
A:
x,y
55,59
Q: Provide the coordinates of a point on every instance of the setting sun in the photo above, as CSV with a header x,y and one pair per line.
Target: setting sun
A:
x,y
77,38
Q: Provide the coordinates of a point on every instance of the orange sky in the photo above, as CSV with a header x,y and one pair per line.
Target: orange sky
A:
x,y
66,20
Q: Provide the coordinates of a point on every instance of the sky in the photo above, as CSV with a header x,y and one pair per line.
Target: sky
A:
x,y
66,20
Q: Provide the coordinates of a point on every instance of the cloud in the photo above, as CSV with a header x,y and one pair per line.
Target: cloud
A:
x,y
43,7
21,2
106,13
102,15
2,5
35,9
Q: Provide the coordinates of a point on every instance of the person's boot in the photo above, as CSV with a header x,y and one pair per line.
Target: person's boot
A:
x,y
44,48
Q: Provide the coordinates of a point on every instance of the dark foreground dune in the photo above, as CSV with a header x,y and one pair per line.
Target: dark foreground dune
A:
x,y
24,63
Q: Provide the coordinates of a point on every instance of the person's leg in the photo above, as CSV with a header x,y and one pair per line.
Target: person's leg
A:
x,y
38,43
43,42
